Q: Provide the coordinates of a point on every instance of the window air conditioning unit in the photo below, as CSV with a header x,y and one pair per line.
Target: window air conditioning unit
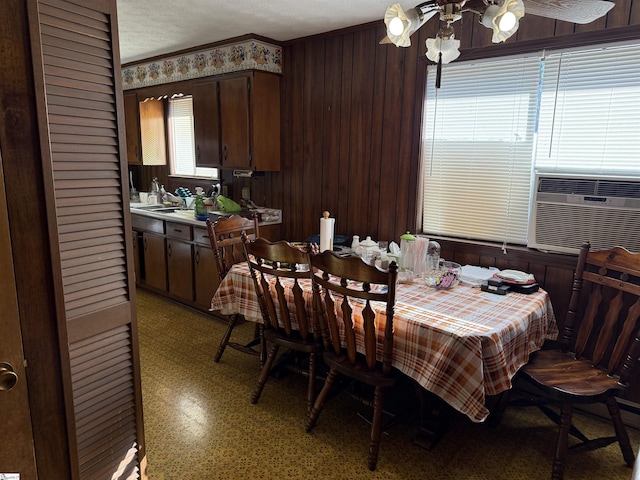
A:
x,y
568,210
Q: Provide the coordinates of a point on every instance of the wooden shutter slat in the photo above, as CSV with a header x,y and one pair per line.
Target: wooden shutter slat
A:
x,y
78,113
86,122
76,13
77,309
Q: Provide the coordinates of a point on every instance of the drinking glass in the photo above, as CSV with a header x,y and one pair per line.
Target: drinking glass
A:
x,y
383,246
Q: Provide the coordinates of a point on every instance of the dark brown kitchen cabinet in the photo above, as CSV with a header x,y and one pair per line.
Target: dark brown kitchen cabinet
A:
x,y
155,263
206,123
205,275
179,260
132,128
235,133
250,121
205,270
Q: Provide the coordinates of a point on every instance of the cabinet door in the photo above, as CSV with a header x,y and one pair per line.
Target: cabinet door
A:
x,y
265,121
132,128
155,265
206,275
152,132
180,269
206,123
234,112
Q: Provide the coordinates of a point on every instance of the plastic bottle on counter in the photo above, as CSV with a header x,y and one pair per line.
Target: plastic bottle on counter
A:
x,y
199,207
154,191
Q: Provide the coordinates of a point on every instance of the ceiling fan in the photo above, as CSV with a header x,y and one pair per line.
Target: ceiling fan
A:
x,y
502,16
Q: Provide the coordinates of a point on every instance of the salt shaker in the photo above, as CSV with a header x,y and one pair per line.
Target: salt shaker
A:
x,y
355,243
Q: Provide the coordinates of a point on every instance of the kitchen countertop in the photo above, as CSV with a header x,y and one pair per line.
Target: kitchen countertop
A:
x,y
183,216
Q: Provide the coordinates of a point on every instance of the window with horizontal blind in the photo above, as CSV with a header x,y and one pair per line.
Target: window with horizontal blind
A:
x,y
477,142
494,123
182,140
590,112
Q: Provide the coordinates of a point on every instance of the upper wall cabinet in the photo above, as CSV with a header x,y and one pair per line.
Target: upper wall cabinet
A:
x,y
237,121
134,156
152,132
206,123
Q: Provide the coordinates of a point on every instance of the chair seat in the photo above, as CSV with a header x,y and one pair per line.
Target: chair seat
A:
x,y
295,341
359,371
568,376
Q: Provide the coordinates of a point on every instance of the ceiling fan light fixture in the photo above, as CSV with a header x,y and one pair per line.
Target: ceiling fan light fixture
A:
x,y
444,47
401,24
503,18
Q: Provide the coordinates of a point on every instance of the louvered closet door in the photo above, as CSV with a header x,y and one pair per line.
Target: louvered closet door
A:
x,y
86,161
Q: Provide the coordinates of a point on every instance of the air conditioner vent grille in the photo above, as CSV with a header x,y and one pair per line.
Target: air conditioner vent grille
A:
x,y
581,186
608,188
569,226
568,186
566,211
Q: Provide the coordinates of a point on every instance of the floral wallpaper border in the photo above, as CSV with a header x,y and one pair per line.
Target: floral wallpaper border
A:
x,y
247,55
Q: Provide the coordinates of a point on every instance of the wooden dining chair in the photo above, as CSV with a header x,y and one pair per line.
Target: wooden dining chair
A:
x,y
598,352
358,343
277,270
225,235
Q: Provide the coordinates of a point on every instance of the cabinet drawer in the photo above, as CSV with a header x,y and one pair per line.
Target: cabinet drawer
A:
x,y
147,224
178,230
201,236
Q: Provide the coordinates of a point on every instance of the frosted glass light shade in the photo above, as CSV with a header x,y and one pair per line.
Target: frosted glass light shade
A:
x,y
401,24
450,49
503,19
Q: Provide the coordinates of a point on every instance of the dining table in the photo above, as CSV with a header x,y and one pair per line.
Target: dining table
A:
x,y
461,344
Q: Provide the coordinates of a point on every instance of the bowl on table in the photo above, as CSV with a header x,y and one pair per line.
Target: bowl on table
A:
x,y
446,276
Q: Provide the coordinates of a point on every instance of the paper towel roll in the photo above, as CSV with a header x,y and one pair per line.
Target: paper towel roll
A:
x,y
326,232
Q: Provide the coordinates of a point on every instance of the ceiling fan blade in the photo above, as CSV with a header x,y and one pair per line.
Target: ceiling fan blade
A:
x,y
574,11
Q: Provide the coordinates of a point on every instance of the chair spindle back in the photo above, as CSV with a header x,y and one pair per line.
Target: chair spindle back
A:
x,y
602,320
226,241
354,285
274,268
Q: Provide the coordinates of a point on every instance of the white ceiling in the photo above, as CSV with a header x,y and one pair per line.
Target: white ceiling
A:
x,y
155,27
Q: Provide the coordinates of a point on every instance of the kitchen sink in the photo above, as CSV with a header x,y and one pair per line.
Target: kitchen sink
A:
x,y
156,208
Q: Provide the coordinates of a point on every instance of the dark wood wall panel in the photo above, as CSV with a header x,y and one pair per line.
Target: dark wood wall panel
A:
x,y
354,106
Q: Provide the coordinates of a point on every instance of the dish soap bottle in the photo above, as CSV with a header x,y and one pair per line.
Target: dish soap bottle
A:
x,y
199,208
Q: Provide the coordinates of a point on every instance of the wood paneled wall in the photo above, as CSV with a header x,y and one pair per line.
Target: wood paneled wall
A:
x,y
352,112
351,116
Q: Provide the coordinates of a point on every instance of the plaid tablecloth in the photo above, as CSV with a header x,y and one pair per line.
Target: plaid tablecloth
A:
x,y
460,344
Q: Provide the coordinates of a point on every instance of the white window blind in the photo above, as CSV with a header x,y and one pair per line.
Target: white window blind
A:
x,y
590,112
477,145
182,140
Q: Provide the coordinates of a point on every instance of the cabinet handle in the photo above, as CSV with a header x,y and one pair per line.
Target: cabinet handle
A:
x,y
224,154
177,230
198,152
169,249
145,242
197,257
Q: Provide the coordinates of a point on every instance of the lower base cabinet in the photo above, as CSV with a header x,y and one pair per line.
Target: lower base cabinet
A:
x,y
176,259
154,261
180,269
205,275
